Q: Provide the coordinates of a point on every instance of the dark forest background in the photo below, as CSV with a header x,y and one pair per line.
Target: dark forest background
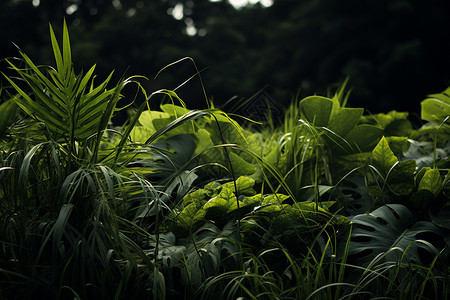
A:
x,y
394,52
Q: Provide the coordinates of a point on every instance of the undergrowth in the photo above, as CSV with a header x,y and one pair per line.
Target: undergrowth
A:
x,y
329,203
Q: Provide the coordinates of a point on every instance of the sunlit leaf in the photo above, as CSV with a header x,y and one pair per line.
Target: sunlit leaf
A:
x,y
244,186
436,107
431,181
316,110
345,120
383,156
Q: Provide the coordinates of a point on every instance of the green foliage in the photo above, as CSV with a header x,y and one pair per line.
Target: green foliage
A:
x,y
425,153
431,181
390,230
392,181
393,123
265,218
59,193
390,175
73,111
186,203
218,203
342,123
208,252
436,108
211,133
7,114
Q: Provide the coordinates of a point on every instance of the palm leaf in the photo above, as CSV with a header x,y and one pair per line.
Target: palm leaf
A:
x,y
71,107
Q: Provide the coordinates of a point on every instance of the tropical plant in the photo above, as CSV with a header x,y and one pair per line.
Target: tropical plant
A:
x,y
330,204
61,233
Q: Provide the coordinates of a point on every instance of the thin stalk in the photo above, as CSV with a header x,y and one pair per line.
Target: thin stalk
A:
x,y
233,177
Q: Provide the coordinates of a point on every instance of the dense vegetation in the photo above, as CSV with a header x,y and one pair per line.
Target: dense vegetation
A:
x,y
395,52
325,203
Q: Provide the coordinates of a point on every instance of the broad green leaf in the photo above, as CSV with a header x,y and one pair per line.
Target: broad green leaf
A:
x,y
240,166
384,158
435,110
147,117
398,144
174,110
246,204
391,176
431,181
225,132
251,200
345,120
420,173
140,134
181,128
244,186
218,206
400,128
178,125
271,209
7,114
224,199
203,140
364,137
171,161
436,107
274,199
190,216
423,153
213,188
401,178
197,196
390,231
309,192
384,120
316,110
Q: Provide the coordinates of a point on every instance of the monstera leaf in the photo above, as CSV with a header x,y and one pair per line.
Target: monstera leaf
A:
x,y
390,230
206,253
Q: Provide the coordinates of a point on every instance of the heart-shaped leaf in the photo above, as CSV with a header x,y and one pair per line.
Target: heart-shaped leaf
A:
x,y
383,156
431,181
316,110
364,136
